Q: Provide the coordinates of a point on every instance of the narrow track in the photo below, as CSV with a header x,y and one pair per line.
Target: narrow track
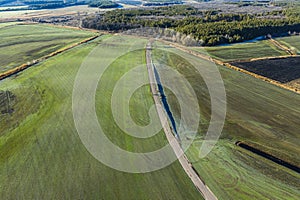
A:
x,y
282,47
185,163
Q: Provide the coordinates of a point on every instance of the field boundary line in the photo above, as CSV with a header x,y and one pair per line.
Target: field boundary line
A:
x,y
281,46
62,26
173,141
230,66
24,66
276,83
262,58
3,27
74,28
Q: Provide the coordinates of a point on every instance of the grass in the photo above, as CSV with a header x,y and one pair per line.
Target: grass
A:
x,y
258,113
292,42
23,43
242,51
4,24
43,158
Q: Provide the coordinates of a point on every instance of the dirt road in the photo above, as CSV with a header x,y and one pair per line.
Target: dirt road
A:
x,y
282,47
188,168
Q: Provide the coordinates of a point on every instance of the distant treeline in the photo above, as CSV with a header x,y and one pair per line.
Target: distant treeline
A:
x,y
208,27
41,4
52,4
161,2
103,4
221,32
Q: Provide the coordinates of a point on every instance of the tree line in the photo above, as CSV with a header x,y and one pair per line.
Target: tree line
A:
x,y
208,27
103,4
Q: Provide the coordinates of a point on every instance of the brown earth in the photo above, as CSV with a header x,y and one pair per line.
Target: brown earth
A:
x,y
283,70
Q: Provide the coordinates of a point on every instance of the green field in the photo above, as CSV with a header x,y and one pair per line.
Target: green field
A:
x,y
292,42
41,154
20,44
242,51
258,113
7,24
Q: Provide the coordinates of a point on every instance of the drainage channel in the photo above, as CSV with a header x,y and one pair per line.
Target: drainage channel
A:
x,y
165,102
268,156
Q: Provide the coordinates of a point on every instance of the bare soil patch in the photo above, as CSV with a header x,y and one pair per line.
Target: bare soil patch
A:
x,y
283,70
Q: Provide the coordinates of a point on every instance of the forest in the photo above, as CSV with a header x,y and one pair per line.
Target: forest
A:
x,y
103,4
52,4
208,27
38,4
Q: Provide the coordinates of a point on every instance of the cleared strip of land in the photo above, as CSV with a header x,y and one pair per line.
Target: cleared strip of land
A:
x,y
207,194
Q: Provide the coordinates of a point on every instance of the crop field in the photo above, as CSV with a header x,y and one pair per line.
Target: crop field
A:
x,y
15,14
258,113
243,51
20,44
28,14
41,154
284,70
292,42
7,24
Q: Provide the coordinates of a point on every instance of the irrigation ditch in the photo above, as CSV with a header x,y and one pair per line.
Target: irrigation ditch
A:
x,y
268,156
165,102
170,135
